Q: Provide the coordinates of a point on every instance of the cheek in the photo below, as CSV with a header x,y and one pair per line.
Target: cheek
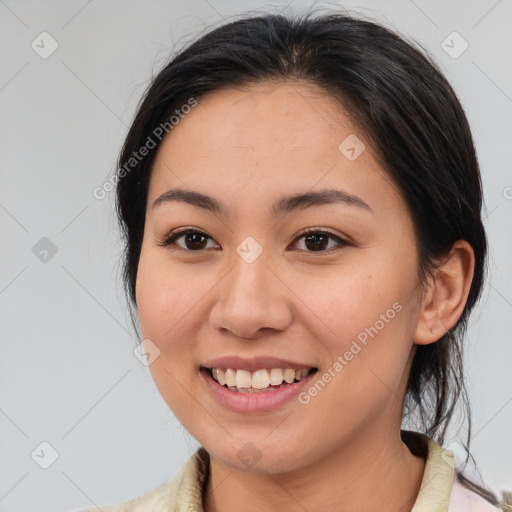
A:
x,y
165,298
364,318
164,318
349,301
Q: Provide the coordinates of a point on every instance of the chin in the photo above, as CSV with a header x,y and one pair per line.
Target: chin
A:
x,y
258,456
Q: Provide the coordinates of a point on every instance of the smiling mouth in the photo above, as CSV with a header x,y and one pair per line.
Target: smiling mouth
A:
x,y
258,381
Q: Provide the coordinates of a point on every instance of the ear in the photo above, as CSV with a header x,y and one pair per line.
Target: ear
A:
x,y
446,294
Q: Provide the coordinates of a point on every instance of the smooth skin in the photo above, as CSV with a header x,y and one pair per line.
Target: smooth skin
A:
x,y
247,148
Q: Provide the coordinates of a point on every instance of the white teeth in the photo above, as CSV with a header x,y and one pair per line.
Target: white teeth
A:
x,y
243,379
230,377
276,376
258,379
289,375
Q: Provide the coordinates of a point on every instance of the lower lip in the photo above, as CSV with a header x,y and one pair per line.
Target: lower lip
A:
x,y
253,402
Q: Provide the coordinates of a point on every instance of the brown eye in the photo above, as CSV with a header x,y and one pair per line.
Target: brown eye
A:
x,y
316,240
194,240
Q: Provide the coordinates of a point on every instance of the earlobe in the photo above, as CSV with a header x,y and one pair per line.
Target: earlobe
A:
x,y
446,294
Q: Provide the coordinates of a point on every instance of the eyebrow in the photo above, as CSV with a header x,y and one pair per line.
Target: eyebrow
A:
x,y
286,204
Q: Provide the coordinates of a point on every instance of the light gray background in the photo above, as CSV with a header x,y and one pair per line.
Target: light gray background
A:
x,y
68,373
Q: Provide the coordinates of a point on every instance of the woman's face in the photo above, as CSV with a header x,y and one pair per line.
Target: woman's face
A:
x,y
249,284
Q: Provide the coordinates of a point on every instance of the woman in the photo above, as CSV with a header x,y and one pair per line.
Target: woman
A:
x,y
300,199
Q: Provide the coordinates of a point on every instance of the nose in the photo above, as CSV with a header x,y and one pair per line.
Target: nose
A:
x,y
252,298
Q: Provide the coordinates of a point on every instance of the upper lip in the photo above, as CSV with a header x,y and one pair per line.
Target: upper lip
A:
x,y
254,363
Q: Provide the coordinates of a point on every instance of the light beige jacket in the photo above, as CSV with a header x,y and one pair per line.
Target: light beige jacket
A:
x,y
442,489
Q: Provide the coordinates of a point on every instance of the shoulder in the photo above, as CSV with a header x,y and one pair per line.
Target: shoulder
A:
x,y
156,500
443,487
467,496
185,490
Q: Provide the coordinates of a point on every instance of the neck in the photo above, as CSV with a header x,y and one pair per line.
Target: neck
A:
x,y
371,472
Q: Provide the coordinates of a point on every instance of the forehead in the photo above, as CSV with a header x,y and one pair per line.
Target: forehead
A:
x,y
266,139
263,121
273,115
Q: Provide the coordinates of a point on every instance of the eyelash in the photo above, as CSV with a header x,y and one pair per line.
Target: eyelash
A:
x,y
175,235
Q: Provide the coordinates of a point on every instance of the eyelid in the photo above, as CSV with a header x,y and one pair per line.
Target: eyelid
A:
x,y
343,242
315,229
169,239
